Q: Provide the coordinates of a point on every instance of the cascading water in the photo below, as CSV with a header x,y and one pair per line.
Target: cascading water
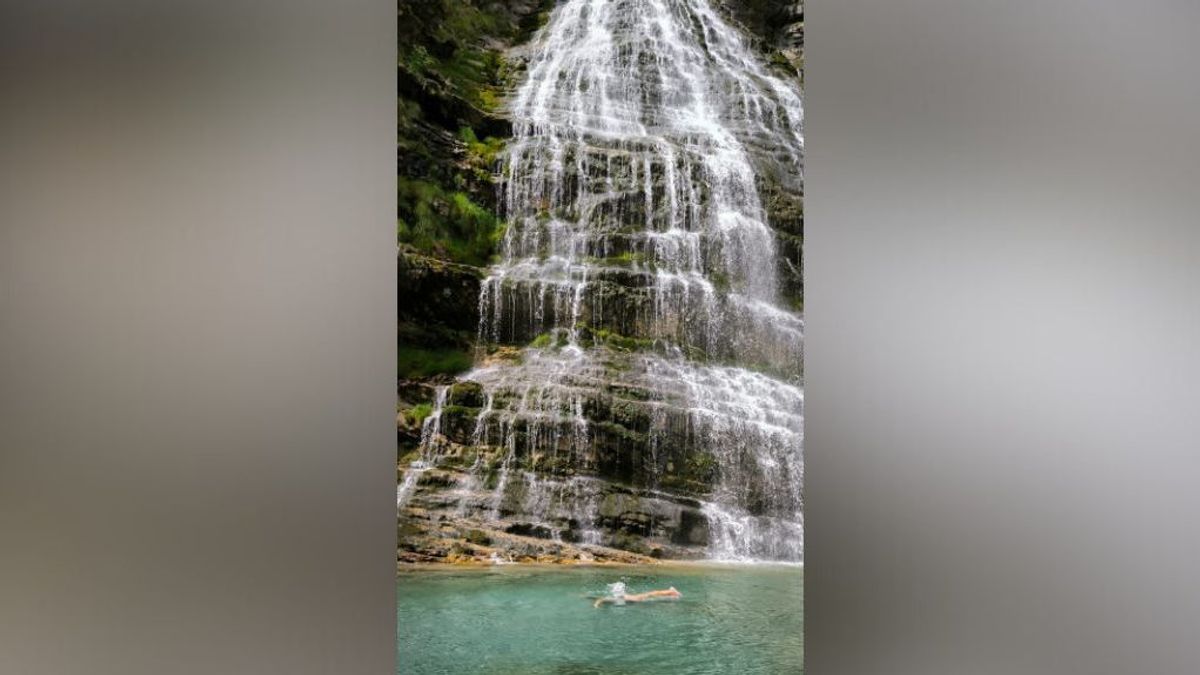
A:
x,y
639,274
431,437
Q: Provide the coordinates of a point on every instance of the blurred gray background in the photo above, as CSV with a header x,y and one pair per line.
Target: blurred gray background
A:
x,y
1003,311
197,356
197,337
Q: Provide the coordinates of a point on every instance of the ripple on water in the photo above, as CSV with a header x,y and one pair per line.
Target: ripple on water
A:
x,y
744,619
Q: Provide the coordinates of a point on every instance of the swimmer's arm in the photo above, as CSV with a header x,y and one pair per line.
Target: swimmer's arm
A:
x,y
627,598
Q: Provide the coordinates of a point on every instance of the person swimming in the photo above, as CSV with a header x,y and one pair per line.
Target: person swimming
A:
x,y
620,597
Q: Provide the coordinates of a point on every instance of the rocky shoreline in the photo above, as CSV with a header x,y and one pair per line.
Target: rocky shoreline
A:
x,y
489,547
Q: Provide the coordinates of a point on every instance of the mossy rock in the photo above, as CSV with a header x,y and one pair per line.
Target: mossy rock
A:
x,y
466,394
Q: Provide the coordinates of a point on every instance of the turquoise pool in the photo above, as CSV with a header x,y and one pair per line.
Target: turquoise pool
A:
x,y
731,620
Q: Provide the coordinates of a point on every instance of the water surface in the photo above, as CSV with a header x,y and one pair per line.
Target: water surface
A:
x,y
741,620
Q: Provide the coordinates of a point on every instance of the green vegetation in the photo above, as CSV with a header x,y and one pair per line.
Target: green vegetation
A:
x,y
446,224
553,339
482,156
629,391
619,342
417,362
460,411
626,259
453,32
702,466
417,60
452,75
417,414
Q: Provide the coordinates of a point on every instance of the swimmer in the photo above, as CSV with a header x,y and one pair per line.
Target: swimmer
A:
x,y
621,599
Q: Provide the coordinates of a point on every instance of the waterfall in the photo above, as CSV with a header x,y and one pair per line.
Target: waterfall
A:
x,y
638,275
431,440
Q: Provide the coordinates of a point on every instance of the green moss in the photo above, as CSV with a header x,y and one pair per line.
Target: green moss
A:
x,y
460,412
555,338
417,362
467,393
620,433
450,48
626,259
446,224
780,60
451,53
702,466
417,414
619,342
417,60
483,156
489,98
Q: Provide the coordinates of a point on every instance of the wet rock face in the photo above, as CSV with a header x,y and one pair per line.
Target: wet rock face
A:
x,y
437,292
777,23
536,518
778,28
637,348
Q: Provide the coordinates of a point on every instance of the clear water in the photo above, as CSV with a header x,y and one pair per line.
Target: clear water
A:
x,y
741,620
